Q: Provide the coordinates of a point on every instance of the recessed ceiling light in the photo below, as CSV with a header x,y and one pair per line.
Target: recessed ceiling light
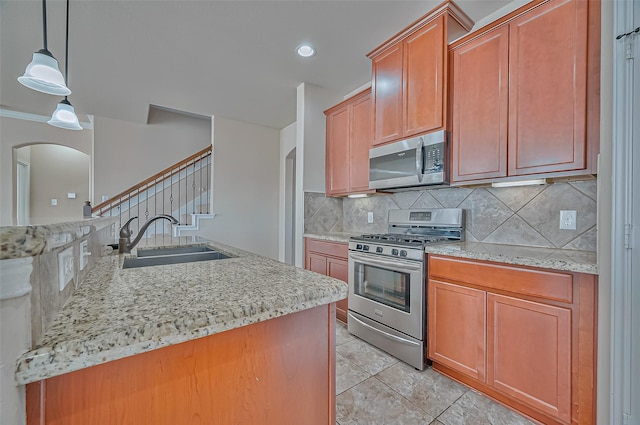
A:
x,y
306,51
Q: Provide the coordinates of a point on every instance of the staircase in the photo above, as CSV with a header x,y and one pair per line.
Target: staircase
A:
x,y
182,190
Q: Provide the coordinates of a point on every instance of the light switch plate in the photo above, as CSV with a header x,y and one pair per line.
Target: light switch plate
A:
x,y
370,217
54,201
568,219
65,267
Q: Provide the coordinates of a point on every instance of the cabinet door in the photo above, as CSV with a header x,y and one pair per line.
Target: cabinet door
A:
x,y
424,59
339,269
387,95
529,353
316,263
547,98
456,322
337,167
361,138
480,107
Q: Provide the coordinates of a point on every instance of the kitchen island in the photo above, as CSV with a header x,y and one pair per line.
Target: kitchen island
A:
x,y
240,340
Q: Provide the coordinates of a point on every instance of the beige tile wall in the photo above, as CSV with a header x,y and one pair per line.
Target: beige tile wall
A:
x,y
528,215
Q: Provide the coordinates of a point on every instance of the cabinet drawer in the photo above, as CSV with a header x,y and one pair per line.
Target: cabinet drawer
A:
x,y
335,249
550,285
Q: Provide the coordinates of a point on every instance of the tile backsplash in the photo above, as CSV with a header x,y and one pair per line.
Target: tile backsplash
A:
x,y
527,215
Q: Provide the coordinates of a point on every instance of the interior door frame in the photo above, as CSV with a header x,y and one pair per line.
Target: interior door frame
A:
x,y
625,214
23,192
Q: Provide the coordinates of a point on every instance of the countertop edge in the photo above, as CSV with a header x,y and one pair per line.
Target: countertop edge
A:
x,y
549,262
342,237
47,369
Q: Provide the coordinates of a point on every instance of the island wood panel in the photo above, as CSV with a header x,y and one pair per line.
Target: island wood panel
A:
x,y
480,107
424,66
548,87
387,89
361,138
273,372
457,328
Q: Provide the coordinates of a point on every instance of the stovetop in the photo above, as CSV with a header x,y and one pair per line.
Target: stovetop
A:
x,y
409,240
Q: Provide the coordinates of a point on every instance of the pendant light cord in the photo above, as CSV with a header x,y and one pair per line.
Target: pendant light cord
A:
x,y
44,22
66,53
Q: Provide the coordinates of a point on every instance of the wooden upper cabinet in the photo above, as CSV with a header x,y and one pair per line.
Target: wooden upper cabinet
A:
x,y
361,137
349,135
388,88
520,96
409,78
424,59
337,177
548,72
480,86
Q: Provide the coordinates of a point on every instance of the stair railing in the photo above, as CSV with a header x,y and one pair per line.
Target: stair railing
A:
x,y
181,189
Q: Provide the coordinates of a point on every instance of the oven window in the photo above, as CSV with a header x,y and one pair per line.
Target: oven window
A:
x,y
385,286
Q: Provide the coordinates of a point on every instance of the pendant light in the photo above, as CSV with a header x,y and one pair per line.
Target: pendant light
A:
x,y
42,74
65,116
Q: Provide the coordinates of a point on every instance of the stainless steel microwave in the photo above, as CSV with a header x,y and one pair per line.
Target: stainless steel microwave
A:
x,y
418,161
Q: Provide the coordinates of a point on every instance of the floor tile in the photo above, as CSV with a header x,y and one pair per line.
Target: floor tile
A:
x,y
369,358
373,403
342,334
428,389
348,374
475,409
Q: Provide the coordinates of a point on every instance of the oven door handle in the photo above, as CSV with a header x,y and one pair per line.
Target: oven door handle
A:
x,y
395,263
388,335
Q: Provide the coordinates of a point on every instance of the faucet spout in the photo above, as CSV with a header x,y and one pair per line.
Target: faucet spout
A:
x,y
125,245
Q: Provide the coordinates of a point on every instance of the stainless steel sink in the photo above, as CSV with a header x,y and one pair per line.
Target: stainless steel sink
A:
x,y
173,255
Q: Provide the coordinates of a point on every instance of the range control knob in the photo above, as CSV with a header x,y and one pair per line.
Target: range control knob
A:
x,y
394,251
359,246
379,250
365,247
403,253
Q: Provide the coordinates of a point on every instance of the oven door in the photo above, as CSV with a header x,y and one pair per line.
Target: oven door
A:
x,y
389,291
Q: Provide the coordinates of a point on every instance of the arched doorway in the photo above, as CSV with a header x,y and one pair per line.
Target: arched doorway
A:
x,y
52,183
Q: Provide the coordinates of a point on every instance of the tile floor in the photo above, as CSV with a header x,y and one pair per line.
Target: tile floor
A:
x,y
374,388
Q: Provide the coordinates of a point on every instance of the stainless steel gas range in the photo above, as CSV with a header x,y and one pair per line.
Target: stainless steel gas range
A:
x,y
387,280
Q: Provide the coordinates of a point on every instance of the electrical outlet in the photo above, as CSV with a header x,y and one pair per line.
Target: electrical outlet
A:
x,y
568,220
65,267
84,254
370,217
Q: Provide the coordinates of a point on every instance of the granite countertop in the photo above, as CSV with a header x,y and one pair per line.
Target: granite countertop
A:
x,y
332,236
118,312
555,259
29,241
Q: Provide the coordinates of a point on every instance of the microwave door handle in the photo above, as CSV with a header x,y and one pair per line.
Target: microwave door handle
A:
x,y
419,159
393,264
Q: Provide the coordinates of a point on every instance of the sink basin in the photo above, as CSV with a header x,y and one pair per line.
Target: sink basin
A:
x,y
173,255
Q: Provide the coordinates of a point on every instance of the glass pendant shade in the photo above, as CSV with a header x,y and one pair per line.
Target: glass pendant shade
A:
x,y
43,75
65,117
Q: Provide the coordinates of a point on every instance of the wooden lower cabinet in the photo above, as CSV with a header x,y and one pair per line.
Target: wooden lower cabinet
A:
x,y
269,372
329,259
523,336
458,336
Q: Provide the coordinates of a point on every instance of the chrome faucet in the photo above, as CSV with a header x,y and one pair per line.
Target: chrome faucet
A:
x,y
125,245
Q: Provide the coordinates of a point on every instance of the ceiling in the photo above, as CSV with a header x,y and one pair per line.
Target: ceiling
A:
x,y
229,58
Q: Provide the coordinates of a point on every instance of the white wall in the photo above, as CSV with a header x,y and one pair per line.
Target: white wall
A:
x,y
17,132
245,187
126,153
311,103
287,144
55,172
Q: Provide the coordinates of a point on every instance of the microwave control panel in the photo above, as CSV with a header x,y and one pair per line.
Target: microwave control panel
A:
x,y
434,157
